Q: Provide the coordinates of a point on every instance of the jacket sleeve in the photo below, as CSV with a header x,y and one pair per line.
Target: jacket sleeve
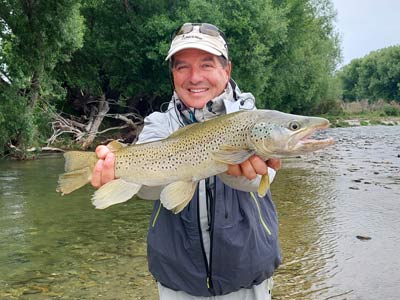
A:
x,y
156,127
242,183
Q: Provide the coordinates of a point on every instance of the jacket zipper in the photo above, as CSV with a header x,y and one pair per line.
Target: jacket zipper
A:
x,y
212,212
260,215
207,264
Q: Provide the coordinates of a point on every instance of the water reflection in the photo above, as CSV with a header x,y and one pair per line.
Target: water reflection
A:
x,y
61,248
56,246
307,226
349,190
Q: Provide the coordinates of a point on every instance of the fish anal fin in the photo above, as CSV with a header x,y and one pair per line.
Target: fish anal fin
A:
x,y
177,195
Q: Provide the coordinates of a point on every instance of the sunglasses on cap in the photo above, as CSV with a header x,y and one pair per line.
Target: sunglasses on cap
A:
x,y
204,28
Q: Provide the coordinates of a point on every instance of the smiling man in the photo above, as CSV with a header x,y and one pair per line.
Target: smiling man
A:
x,y
199,76
224,244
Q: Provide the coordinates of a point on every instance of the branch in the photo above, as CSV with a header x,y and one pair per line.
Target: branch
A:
x,y
82,130
112,128
129,122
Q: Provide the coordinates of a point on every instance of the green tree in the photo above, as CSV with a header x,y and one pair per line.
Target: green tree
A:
x,y
283,51
35,36
305,59
123,50
373,77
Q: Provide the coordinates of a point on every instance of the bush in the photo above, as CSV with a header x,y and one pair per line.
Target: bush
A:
x,y
332,107
391,110
17,126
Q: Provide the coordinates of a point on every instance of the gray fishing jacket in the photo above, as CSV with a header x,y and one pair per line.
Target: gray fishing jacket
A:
x,y
226,239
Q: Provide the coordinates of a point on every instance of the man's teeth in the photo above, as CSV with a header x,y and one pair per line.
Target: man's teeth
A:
x,y
197,90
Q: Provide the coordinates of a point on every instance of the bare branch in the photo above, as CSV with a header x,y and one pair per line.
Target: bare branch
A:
x,y
129,122
111,129
85,129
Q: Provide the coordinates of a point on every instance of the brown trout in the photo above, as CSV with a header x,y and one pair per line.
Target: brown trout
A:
x,y
193,153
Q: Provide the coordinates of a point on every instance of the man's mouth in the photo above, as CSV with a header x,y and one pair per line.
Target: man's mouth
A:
x,y
198,90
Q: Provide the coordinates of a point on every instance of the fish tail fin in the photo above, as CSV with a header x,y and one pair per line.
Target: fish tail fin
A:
x,y
78,171
71,181
76,160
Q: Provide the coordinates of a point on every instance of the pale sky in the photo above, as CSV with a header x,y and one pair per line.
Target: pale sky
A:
x,y
366,25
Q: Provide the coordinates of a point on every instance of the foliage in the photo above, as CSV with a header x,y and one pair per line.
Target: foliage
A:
x,y
69,53
35,36
304,61
391,111
13,124
373,77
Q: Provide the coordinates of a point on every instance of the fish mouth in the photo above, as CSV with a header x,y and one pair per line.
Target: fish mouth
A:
x,y
305,143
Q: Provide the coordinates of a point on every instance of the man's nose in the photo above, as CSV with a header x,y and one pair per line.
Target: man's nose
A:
x,y
195,75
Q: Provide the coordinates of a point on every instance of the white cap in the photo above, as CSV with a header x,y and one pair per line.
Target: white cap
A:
x,y
196,40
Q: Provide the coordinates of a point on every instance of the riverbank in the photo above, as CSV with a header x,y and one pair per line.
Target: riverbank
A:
x,y
363,121
363,113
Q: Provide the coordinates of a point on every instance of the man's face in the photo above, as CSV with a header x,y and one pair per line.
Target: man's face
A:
x,y
198,77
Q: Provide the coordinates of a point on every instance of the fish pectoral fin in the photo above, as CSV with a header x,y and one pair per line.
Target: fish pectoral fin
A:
x,y
264,185
231,155
71,181
177,195
113,192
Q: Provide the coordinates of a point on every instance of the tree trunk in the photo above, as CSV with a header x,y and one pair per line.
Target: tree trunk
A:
x,y
34,93
96,118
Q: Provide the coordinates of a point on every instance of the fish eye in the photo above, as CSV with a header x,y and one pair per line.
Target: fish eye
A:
x,y
294,125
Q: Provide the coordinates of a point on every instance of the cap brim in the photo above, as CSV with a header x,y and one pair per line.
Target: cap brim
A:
x,y
194,45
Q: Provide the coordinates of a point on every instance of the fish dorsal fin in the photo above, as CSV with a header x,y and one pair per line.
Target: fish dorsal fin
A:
x,y
114,145
232,155
182,130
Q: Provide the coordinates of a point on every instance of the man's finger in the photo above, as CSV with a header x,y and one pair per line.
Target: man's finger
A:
x,y
274,163
102,151
96,175
234,170
259,165
248,170
108,172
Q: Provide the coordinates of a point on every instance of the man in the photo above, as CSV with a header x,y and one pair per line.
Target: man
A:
x,y
224,244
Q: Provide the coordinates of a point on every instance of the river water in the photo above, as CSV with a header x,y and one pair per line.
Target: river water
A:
x,y
339,213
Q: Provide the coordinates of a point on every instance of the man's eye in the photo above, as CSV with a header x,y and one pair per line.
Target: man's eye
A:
x,y
180,68
207,66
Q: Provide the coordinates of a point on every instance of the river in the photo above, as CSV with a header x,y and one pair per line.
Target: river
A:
x,y
339,214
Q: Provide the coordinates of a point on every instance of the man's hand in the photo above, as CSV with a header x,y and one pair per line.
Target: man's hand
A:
x,y
104,169
254,166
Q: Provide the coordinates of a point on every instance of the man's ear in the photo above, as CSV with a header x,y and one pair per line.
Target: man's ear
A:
x,y
229,70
